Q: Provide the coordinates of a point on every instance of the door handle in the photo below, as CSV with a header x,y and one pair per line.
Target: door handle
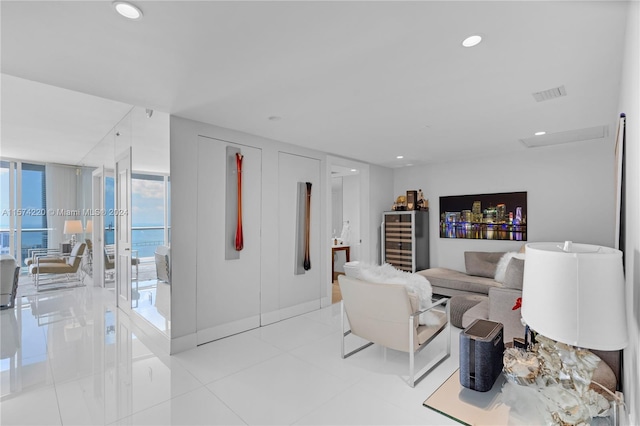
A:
x,y
127,249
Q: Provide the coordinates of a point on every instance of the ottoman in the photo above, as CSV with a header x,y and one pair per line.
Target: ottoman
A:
x,y
461,303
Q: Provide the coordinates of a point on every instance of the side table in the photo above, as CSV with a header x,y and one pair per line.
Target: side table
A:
x,y
469,407
334,249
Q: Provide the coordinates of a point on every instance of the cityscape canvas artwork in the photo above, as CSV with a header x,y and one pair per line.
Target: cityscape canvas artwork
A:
x,y
500,216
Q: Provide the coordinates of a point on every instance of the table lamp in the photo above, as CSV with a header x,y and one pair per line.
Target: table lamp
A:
x,y
88,229
575,294
72,227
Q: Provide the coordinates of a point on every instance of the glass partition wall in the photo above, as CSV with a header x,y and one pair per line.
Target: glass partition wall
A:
x,y
146,136
37,198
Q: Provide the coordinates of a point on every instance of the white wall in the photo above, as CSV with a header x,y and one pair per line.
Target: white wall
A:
x,y
336,206
351,211
630,105
570,195
381,199
186,270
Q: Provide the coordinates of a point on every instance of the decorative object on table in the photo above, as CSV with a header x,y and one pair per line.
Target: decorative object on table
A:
x,y
481,348
239,237
307,229
73,227
412,200
400,204
422,203
232,202
558,376
500,216
562,301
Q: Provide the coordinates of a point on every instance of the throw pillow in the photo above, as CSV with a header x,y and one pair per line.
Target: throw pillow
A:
x,y
501,268
481,263
514,274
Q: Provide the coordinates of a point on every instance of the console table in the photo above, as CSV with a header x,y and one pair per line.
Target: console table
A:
x,y
334,250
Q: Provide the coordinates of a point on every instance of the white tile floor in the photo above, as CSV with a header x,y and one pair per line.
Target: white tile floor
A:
x,y
70,357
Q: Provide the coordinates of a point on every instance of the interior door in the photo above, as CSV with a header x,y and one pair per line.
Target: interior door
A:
x,y
97,233
122,218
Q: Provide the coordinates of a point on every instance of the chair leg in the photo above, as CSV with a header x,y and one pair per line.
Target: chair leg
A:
x,y
14,289
437,359
346,333
412,354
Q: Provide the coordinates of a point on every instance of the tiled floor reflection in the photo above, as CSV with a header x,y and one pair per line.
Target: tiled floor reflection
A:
x,y
70,357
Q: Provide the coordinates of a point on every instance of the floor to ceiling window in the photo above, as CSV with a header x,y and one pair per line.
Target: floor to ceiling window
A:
x,y
149,213
23,218
150,231
6,204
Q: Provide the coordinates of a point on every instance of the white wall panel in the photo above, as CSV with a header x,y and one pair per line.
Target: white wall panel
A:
x,y
211,298
298,289
228,291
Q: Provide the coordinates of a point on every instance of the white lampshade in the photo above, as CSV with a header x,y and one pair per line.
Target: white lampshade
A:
x,y
574,294
89,227
72,227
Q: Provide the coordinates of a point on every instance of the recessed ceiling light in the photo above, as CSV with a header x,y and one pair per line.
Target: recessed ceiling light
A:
x,y
128,10
400,157
471,41
354,170
540,133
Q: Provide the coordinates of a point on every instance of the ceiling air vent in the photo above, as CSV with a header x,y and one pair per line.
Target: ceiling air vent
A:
x,y
546,95
559,138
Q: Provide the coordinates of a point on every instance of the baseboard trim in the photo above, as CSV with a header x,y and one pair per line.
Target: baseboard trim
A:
x,y
183,343
291,311
157,337
325,301
228,329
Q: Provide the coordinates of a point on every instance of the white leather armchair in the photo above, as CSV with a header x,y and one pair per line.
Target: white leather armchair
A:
x,y
383,314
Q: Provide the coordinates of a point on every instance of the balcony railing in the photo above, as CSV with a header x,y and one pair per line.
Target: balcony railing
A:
x,y
31,238
144,239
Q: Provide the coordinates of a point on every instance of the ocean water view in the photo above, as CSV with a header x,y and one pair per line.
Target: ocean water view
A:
x,y
145,239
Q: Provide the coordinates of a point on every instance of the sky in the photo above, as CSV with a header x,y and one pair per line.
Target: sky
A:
x,y
31,198
147,200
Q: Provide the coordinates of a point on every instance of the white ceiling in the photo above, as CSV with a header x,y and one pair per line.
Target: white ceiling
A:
x,y
365,80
